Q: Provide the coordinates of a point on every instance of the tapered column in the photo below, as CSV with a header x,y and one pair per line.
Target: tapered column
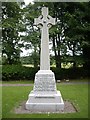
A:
x,y
44,58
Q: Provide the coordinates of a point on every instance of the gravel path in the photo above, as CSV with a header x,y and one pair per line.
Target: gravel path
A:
x,y
75,83
68,108
64,83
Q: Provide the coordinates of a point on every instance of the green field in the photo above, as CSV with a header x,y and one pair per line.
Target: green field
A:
x,y
18,82
0,102
76,93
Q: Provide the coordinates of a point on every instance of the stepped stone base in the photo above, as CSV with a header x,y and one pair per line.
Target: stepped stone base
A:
x,y
45,102
45,97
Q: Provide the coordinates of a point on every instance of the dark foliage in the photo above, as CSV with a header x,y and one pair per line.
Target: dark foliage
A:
x,y
18,72
71,73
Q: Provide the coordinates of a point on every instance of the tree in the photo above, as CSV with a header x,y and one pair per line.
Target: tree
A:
x,y
56,34
78,31
86,33
11,26
32,34
69,34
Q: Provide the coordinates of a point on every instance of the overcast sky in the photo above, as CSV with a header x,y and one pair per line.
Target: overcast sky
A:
x,y
27,1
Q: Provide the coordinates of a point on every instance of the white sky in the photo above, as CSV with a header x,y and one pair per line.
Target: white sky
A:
x,y
25,52
28,1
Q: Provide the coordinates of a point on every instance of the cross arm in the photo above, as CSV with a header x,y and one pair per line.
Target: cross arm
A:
x,y
51,20
38,20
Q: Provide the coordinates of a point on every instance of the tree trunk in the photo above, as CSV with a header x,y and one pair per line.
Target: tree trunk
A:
x,y
86,56
9,60
59,55
73,52
56,52
58,65
53,40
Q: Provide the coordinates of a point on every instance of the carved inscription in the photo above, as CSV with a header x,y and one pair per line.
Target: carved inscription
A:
x,y
44,82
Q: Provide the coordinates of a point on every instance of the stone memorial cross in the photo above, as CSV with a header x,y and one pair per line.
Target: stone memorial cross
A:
x,y
44,21
44,97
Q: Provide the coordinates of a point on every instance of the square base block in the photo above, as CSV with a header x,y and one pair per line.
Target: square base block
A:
x,y
45,102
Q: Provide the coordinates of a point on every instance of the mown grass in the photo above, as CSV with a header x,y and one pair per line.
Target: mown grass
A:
x,y
76,93
18,82
0,102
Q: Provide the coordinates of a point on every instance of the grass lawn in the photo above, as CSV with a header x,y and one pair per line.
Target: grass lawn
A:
x,y
0,102
76,93
31,81
18,82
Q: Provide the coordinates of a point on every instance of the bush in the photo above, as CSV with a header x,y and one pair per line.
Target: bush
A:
x,y
18,72
71,73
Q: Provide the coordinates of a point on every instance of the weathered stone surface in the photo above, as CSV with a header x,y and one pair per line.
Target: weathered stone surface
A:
x,y
44,21
45,102
45,81
68,108
45,97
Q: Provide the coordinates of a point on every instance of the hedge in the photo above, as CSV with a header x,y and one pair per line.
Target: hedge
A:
x,y
71,73
18,72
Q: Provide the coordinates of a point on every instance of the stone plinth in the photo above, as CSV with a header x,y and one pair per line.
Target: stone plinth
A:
x,y
45,97
45,81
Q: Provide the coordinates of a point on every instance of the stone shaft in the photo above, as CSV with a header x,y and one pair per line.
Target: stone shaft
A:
x,y
44,21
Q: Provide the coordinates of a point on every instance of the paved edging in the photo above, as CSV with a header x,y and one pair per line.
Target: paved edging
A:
x,y
64,83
